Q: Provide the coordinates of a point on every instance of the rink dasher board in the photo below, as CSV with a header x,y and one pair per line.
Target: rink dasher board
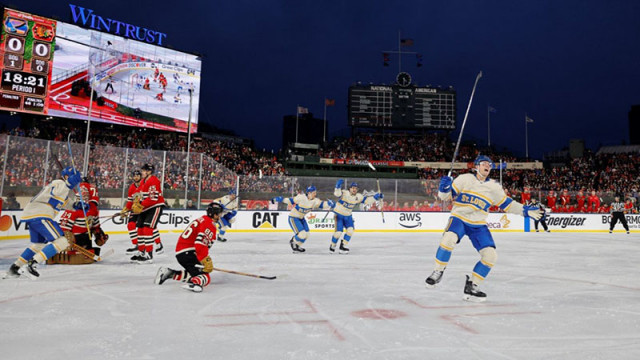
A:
x,y
268,221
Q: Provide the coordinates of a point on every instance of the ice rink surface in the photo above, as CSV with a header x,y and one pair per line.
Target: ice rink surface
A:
x,y
550,296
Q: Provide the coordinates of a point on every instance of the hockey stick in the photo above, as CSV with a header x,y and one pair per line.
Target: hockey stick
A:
x,y
86,222
89,254
245,274
455,153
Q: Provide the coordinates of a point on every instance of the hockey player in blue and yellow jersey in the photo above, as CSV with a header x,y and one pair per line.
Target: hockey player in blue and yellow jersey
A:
x,y
472,196
347,200
47,238
302,205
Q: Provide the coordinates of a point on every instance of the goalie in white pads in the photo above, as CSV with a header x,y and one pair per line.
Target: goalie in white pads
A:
x,y
47,238
347,200
302,205
473,195
230,210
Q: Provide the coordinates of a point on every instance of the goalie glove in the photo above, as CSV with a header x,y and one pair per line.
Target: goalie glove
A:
x,y
207,264
137,207
100,237
378,196
533,212
277,199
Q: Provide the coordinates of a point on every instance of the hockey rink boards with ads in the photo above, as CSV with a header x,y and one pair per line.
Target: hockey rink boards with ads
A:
x,y
132,82
265,221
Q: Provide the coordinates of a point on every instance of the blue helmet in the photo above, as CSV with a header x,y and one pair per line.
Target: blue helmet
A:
x,y
311,188
482,158
68,171
353,184
232,191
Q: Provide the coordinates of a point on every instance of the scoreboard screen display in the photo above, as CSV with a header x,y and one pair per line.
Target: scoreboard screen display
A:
x,y
402,107
26,48
95,75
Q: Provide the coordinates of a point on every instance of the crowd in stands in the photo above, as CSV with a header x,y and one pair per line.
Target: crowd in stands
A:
x,y
604,173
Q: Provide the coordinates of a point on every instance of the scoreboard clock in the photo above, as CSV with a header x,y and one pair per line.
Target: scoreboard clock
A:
x,y
26,48
402,106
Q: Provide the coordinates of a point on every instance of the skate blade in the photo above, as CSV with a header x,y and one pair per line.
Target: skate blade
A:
x,y
474,299
429,286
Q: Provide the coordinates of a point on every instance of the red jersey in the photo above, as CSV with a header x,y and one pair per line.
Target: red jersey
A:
x,y
551,201
134,191
198,237
594,203
75,221
565,199
90,196
581,199
151,190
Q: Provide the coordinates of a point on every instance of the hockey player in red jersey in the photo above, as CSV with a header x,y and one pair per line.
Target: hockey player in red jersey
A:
x,y
192,252
149,208
134,193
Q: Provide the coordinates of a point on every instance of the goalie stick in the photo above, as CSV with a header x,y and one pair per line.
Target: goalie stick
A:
x,y
89,254
455,153
86,222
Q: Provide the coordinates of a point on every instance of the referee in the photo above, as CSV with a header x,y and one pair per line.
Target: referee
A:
x,y
617,213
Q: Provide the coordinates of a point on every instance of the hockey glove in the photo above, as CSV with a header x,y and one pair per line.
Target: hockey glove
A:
x,y
331,204
445,184
533,212
339,183
378,196
208,264
81,205
277,199
137,207
73,180
100,237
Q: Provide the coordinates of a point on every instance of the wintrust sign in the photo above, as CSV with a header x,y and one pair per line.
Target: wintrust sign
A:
x,y
86,18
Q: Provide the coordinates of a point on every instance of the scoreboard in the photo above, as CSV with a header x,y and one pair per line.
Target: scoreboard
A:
x,y
402,106
26,51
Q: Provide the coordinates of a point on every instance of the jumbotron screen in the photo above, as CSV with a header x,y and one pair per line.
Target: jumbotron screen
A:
x,y
402,107
52,68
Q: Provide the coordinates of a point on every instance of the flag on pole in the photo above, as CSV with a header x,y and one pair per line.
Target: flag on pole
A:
x,y
385,59
406,42
329,102
528,119
492,109
302,110
418,60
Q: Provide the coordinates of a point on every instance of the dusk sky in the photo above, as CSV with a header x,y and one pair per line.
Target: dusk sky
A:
x,y
572,66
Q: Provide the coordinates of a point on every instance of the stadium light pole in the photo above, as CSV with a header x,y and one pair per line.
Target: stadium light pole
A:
x,y
186,174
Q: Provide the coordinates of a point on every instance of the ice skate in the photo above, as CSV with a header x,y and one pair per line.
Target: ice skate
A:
x,y
135,258
13,272
332,248
434,278
192,287
145,258
159,249
343,249
221,239
163,275
30,269
295,247
471,292
132,250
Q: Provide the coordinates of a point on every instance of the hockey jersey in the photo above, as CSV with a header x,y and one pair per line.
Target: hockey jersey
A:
x,y
134,192
228,204
346,202
151,190
617,207
76,222
472,199
53,198
302,205
198,236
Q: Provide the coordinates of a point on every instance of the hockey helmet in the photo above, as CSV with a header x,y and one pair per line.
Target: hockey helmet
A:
x,y
148,167
482,158
353,184
136,173
85,179
214,208
311,189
